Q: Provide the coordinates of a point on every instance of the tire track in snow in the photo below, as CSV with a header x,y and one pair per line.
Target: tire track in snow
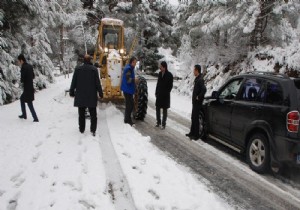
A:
x,y
117,184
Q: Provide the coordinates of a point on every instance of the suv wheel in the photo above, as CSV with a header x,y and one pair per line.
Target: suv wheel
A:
x,y
258,154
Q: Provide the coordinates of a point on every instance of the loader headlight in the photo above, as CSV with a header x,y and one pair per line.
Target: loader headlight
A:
x,y
106,50
122,51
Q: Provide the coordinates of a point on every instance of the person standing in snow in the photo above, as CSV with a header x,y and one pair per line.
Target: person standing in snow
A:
x,y
128,88
163,94
84,87
27,76
197,99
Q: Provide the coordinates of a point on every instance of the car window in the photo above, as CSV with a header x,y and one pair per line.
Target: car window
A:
x,y
231,89
251,90
274,94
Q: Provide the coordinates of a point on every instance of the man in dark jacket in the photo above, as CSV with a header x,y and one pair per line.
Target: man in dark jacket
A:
x,y
197,99
27,96
85,86
163,91
128,88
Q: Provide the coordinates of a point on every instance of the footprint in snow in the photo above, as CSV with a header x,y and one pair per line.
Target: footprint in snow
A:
x,y
157,179
126,154
87,204
84,168
143,161
13,202
44,175
79,158
35,157
138,169
2,192
153,193
72,186
12,205
39,144
48,135
17,179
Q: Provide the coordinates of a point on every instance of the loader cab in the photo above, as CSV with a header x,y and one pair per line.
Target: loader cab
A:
x,y
110,55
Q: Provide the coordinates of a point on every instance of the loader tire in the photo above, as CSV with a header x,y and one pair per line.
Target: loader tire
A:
x,y
142,99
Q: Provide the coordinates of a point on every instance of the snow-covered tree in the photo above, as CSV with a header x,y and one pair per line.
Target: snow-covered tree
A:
x,y
229,35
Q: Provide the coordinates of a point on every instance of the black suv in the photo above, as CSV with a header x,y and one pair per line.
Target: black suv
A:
x,y
256,113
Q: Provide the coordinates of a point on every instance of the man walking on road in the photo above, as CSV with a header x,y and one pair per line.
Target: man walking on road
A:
x,y
163,94
128,88
27,76
85,86
197,99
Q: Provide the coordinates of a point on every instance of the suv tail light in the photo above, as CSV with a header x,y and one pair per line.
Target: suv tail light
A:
x,y
292,121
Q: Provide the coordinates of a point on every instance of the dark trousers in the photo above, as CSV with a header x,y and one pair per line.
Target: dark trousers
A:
x,y
128,107
31,108
93,114
158,118
195,120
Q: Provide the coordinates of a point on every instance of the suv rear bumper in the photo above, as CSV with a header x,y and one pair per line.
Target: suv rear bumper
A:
x,y
286,150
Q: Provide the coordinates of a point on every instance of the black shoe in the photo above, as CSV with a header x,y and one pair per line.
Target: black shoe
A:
x,y
94,133
188,134
36,120
157,125
195,138
81,130
22,117
163,127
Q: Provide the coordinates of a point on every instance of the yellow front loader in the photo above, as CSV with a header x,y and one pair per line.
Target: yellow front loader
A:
x,y
111,56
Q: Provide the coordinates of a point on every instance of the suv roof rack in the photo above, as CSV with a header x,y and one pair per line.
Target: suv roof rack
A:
x,y
270,74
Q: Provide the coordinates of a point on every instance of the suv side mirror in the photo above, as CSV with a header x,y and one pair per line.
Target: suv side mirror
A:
x,y
215,95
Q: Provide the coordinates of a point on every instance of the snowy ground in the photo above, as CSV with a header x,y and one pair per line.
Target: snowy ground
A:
x,y
50,165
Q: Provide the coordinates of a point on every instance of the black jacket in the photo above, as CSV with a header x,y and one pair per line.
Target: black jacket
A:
x,y
163,89
198,91
27,77
85,85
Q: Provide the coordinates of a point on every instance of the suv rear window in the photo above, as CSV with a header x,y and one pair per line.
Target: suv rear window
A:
x,y
274,94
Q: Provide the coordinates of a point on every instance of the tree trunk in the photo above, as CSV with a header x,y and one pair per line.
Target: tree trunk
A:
x,y
261,23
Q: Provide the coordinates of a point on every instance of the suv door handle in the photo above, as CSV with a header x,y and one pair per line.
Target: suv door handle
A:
x,y
255,108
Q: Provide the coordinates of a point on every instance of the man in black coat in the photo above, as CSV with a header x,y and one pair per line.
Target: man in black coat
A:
x,y
163,91
197,99
85,86
27,76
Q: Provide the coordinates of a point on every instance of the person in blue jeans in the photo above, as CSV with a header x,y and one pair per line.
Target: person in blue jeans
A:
x,y
27,76
128,88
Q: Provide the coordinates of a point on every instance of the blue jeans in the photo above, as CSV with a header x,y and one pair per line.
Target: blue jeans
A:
x,y
31,108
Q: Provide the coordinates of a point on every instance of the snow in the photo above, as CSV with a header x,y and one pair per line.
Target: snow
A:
x,y
174,2
50,165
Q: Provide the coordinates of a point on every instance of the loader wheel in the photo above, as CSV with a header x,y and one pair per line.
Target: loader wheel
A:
x,y
141,99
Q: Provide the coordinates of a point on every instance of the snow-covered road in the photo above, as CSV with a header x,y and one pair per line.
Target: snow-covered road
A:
x,y
50,165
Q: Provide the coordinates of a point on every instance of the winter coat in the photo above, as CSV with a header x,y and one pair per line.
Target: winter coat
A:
x,y
198,91
128,80
85,86
27,77
163,89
